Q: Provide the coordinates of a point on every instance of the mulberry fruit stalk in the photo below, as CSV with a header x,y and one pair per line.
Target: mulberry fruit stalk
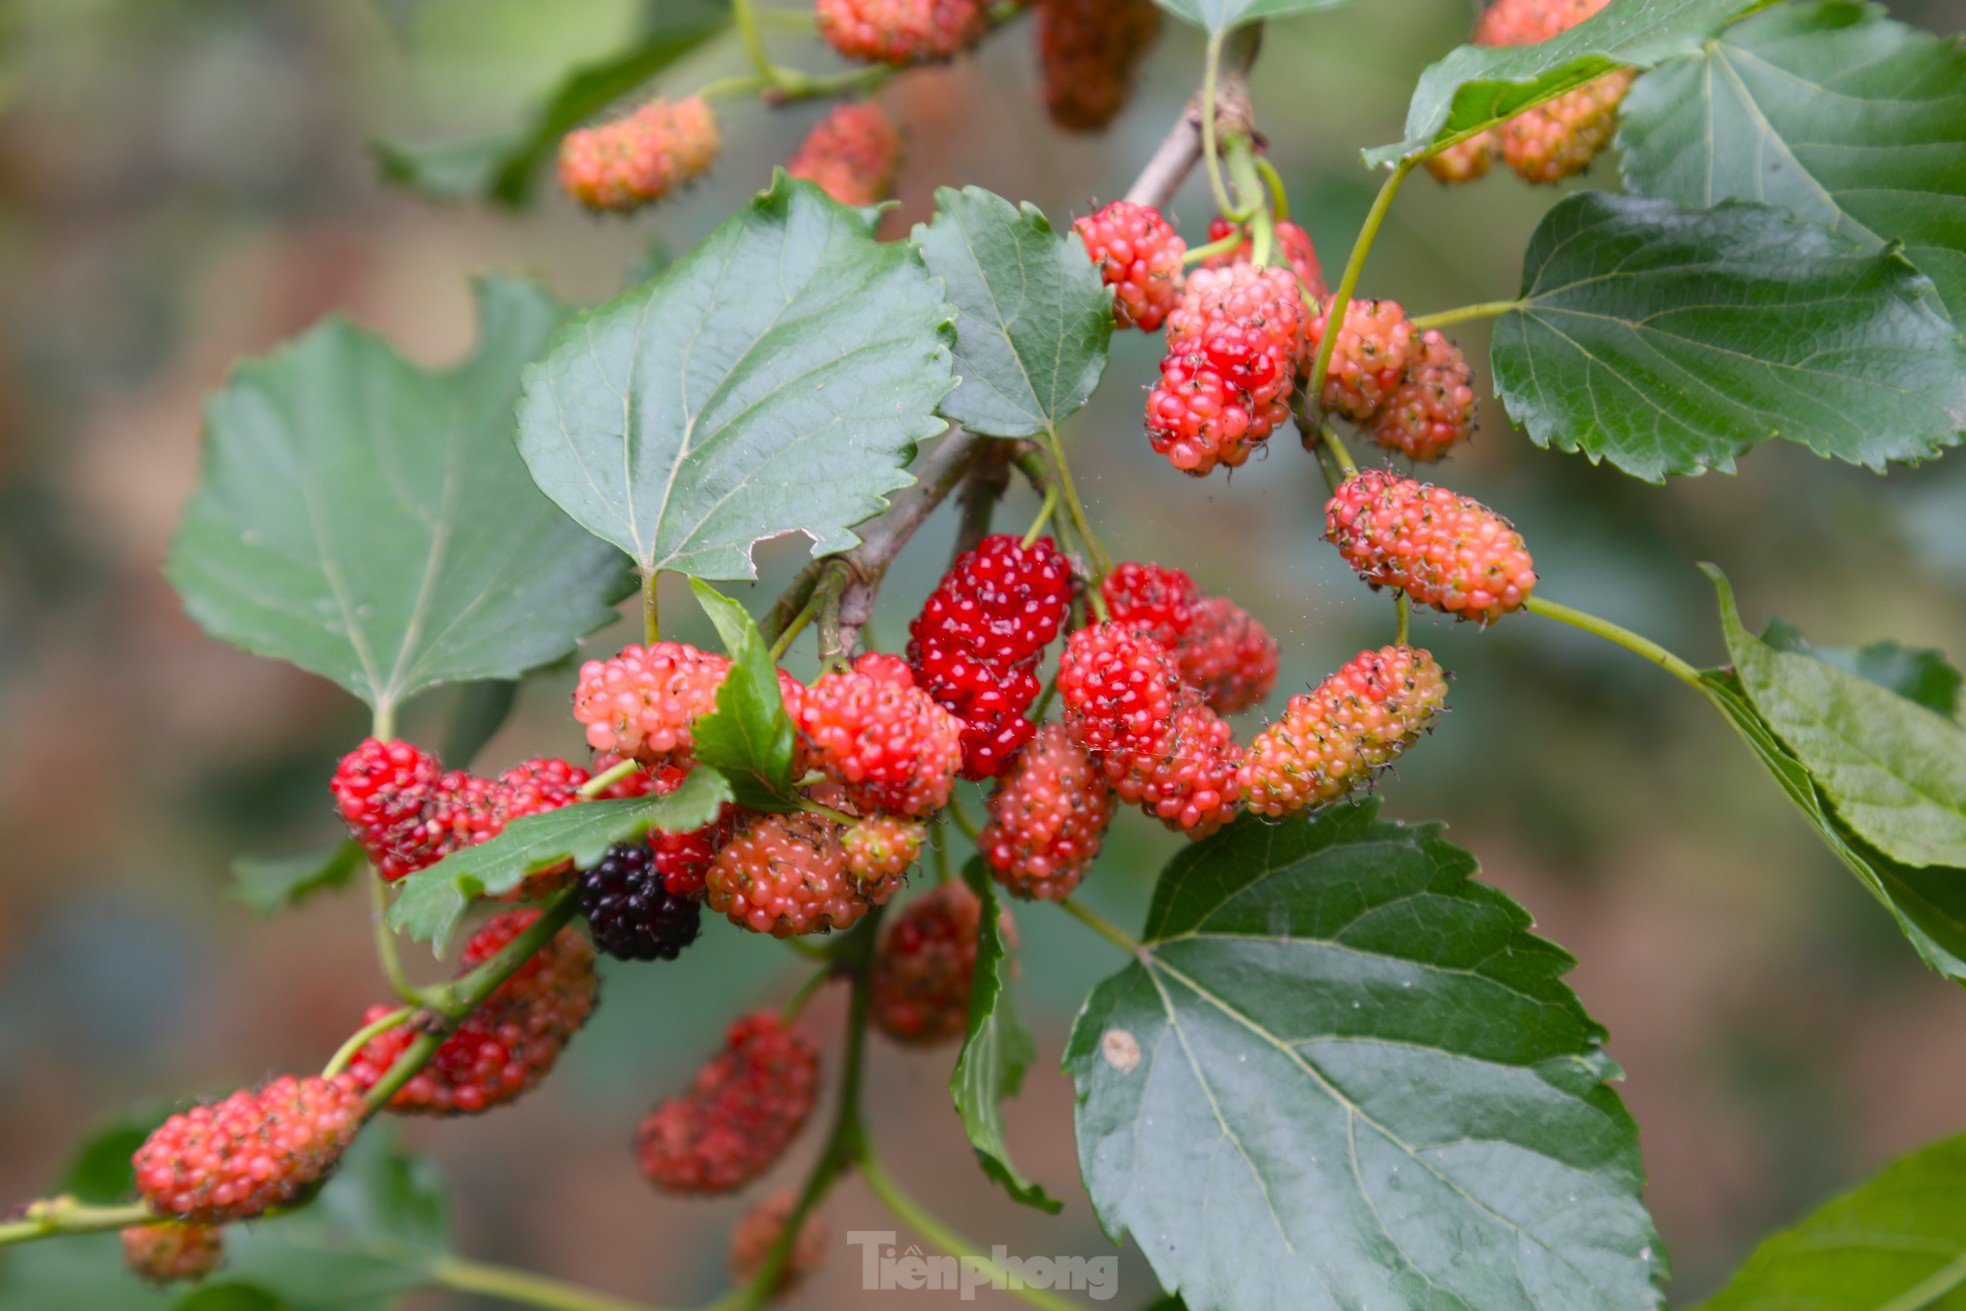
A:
x,y
1048,815
1139,255
976,644
505,1046
852,154
1442,549
737,1117
899,31
641,157
1335,738
1292,242
257,1149
1233,344
881,848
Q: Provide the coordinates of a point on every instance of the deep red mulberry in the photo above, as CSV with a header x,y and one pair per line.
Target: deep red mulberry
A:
x,y
1227,656
1442,549
1089,51
509,1043
882,738
739,1114
923,966
758,1232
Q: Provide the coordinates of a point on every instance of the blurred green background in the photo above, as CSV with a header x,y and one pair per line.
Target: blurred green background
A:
x,y
185,183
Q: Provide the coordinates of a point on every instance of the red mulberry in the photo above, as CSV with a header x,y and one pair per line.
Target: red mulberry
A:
x,y
1434,405
1233,343
642,157
740,1113
1442,549
923,966
171,1253
1089,51
256,1149
759,1231
899,31
1369,360
1048,815
1139,255
852,154
883,739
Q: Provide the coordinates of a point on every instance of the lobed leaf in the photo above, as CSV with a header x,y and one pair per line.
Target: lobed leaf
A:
x,y
368,519
1898,1241
1892,770
773,380
1034,318
997,1049
1343,1074
430,902
1476,87
748,738
1668,341
1829,110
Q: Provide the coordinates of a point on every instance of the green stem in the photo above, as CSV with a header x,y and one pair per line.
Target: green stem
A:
x,y
386,954
1251,192
944,868
1279,198
1101,562
797,1001
1220,246
939,1235
724,88
1403,624
1349,282
1102,926
746,19
651,609
812,807
522,1287
1210,147
460,997
1488,309
1045,511
962,820
382,723
1624,637
65,1215
360,1039
607,778
805,616
1340,453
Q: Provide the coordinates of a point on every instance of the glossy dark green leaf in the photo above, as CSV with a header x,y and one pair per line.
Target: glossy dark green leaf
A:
x,y
1668,341
1928,904
1034,318
1221,15
368,519
1917,673
748,737
1893,771
997,1049
1343,1074
774,380
266,884
1829,110
1476,87
504,166
431,901
1896,1242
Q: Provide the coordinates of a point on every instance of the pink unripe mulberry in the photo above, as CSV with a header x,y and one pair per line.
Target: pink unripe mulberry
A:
x,y
1048,815
1233,344
257,1149
852,154
787,875
641,157
899,31
1369,360
644,702
1434,405
1139,255
1442,549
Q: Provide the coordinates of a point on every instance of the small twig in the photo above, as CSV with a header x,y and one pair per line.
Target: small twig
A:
x,y
988,478
1487,309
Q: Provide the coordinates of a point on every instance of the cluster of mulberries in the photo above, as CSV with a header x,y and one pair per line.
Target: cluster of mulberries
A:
x,y
642,157
408,812
1442,549
976,644
1088,51
742,1110
852,154
1219,649
1556,139
1412,392
787,875
257,1149
503,1048
1234,340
